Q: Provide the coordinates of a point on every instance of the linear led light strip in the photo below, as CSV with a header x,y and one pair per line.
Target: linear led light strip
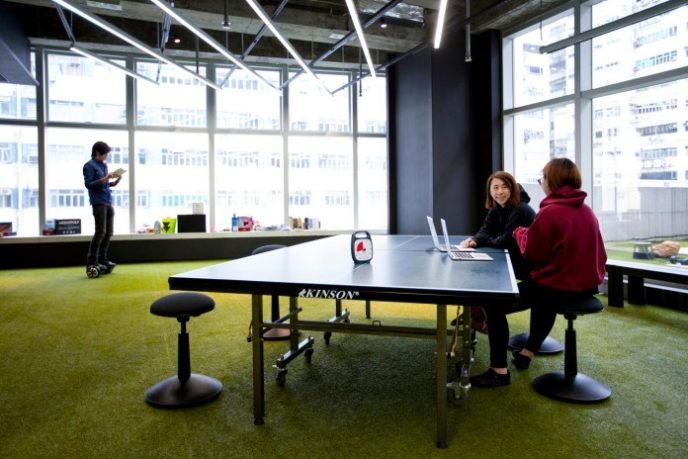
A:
x,y
295,54
361,37
208,39
132,41
89,54
440,23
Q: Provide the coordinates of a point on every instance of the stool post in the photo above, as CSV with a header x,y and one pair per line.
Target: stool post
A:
x,y
570,359
183,354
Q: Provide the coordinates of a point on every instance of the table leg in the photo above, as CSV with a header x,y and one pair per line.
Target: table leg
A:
x,y
441,376
258,360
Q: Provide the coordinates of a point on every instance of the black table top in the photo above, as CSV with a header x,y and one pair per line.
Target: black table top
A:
x,y
403,268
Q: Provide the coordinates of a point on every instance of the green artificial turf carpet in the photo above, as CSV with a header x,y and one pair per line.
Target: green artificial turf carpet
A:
x,y
78,354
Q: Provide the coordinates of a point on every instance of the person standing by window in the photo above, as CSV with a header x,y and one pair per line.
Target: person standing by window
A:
x,y
97,182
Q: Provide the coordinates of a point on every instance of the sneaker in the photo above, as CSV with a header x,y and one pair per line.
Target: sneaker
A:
x,y
108,263
522,362
491,379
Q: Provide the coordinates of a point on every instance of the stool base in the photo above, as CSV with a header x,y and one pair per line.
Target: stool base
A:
x,y
170,393
582,389
549,345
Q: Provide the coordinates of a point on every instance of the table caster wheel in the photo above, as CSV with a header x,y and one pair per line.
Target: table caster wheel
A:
x,y
92,271
456,394
282,377
327,337
308,354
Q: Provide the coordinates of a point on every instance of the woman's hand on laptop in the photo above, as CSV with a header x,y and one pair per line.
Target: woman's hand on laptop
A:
x,y
468,243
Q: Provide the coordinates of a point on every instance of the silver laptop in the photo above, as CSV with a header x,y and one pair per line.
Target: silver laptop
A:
x,y
459,253
436,241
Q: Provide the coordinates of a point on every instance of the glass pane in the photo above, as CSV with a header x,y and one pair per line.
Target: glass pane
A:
x,y
312,109
67,150
373,190
249,180
247,102
178,100
640,162
646,48
84,90
19,101
541,135
321,180
372,105
538,77
606,11
171,175
19,179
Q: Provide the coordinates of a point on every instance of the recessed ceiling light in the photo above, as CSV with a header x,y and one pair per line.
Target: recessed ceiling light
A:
x,y
336,35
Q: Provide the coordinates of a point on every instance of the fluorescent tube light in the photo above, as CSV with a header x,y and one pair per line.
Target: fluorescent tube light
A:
x,y
295,54
208,39
361,37
109,63
440,23
122,35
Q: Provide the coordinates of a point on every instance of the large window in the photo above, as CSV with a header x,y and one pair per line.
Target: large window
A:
x,y
626,127
247,102
373,189
172,173
84,90
249,179
372,106
179,99
536,76
67,150
313,109
19,178
321,180
18,101
246,149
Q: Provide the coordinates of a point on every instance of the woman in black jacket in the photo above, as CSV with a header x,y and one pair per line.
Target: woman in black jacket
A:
x,y
508,208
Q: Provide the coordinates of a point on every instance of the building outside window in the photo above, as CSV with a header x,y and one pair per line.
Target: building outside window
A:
x,y
84,90
633,143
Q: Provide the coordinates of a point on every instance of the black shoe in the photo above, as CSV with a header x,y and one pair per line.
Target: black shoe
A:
x,y
522,362
102,267
491,379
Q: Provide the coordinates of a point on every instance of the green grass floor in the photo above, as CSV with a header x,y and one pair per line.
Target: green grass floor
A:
x,y
78,354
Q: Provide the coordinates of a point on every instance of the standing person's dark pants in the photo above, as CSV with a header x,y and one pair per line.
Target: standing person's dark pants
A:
x,y
542,317
104,217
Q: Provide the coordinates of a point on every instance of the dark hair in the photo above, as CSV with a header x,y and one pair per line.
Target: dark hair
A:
x,y
561,171
510,181
99,147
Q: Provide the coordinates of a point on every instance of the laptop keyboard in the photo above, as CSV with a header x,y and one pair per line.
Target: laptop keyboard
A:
x,y
460,255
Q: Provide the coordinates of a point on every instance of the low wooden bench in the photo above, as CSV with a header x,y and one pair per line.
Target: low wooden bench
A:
x,y
637,273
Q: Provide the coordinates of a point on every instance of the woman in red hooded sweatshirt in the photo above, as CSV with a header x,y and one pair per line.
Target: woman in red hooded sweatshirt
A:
x,y
566,256
565,249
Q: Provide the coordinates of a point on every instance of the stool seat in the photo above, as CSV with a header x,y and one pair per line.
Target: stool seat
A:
x,y
185,388
579,307
182,304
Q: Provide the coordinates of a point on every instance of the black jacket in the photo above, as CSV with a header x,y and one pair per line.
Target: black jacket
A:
x,y
498,225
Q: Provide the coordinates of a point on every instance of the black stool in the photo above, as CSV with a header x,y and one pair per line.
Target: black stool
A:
x,y
185,388
548,347
569,385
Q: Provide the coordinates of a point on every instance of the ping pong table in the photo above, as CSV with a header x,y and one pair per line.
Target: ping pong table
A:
x,y
404,268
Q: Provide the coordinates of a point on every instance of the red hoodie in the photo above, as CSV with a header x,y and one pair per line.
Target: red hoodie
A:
x,y
564,245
